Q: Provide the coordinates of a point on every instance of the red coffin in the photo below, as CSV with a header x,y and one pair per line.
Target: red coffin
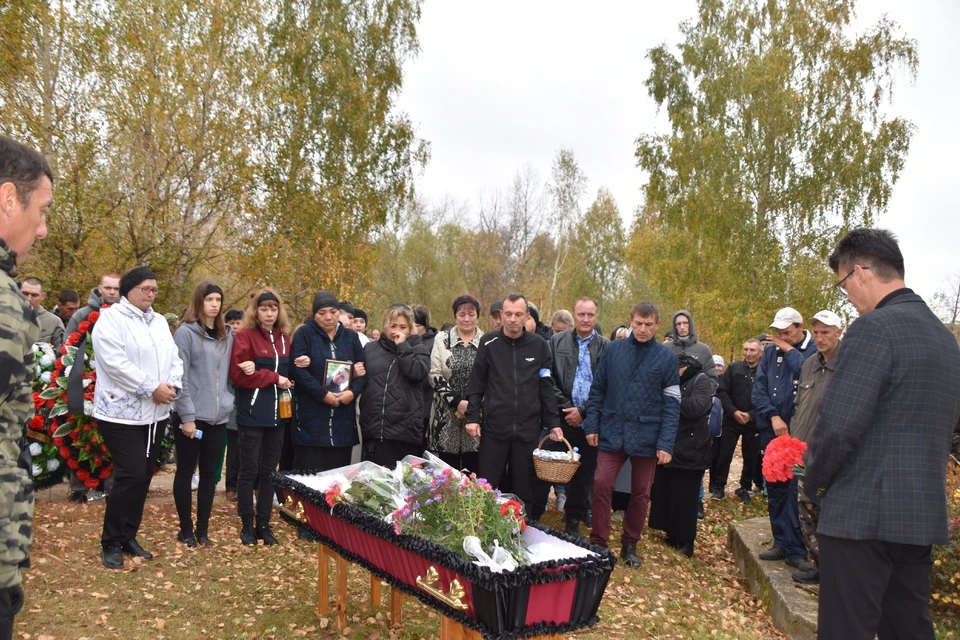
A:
x,y
548,598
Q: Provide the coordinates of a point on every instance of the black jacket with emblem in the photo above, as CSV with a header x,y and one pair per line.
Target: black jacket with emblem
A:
x,y
512,387
391,407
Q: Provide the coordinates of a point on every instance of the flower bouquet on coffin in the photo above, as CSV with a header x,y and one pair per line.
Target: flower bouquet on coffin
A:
x,y
463,514
365,486
48,466
783,459
76,433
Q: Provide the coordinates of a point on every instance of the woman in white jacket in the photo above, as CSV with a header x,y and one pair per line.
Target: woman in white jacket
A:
x,y
138,377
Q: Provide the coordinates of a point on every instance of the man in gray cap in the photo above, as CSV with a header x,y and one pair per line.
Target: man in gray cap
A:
x,y
816,372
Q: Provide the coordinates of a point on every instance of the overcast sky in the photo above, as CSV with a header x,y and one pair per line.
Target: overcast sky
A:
x,y
499,84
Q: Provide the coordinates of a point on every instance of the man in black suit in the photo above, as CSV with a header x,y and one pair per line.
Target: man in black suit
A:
x,y
877,460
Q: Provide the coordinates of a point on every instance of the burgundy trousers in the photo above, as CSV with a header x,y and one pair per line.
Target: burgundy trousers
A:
x,y
641,480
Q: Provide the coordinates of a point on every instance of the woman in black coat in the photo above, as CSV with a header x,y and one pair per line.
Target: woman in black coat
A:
x,y
392,406
676,486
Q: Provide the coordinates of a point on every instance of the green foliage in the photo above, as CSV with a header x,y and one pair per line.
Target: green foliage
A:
x,y
778,143
214,139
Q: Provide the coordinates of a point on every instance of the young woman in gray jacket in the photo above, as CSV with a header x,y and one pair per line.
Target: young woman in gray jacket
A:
x,y
204,406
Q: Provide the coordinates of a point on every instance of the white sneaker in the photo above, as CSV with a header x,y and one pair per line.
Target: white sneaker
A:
x,y
195,482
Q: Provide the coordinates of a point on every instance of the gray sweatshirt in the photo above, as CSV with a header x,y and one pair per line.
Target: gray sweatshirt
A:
x,y
206,391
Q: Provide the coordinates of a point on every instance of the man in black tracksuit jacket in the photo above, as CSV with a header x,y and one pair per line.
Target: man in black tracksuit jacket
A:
x,y
512,389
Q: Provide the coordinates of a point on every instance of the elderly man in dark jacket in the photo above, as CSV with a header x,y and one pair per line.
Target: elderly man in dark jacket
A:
x,y
632,412
576,356
877,461
774,391
739,421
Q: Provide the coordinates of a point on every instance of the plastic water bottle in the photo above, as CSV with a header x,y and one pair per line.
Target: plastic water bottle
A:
x,y
197,434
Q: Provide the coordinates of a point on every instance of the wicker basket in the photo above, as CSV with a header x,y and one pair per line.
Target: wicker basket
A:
x,y
555,471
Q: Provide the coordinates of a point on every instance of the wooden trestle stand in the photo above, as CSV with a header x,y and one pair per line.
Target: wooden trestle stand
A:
x,y
449,629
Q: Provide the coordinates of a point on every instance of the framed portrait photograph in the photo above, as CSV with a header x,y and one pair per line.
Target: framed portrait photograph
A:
x,y
339,375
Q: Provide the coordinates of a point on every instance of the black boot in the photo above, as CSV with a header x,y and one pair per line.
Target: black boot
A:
x,y
112,556
203,540
264,533
686,549
186,537
628,554
248,536
133,548
573,528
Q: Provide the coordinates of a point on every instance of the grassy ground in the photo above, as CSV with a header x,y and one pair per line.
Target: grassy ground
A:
x,y
235,592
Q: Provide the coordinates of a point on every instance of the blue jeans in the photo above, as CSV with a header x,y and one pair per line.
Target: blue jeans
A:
x,y
785,518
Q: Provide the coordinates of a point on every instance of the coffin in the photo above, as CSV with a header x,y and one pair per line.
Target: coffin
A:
x,y
550,597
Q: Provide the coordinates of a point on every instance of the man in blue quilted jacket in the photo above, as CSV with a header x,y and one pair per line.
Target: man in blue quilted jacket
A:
x,y
633,411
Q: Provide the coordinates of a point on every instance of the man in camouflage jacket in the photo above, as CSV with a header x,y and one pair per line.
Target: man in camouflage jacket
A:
x,y
26,193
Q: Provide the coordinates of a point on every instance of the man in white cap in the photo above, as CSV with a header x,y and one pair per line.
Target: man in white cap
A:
x,y
826,328
774,390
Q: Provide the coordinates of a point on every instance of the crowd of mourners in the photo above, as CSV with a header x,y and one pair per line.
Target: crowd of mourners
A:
x,y
649,412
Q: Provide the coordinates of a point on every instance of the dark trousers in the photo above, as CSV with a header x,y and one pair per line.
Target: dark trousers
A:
x,y
259,456
871,587
809,517
580,488
749,449
233,460
469,461
674,499
317,459
641,478
191,453
132,469
785,518
387,453
11,602
495,455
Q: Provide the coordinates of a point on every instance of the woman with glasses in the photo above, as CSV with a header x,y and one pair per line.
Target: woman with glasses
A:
x,y
259,366
138,377
391,407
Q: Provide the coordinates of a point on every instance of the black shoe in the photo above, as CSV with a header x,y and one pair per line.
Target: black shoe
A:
x,y
186,537
112,557
588,518
774,553
811,576
686,550
717,494
572,528
629,556
78,496
264,533
744,495
796,563
700,514
133,548
248,536
203,540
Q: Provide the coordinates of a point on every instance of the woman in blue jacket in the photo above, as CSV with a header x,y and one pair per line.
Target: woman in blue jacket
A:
x,y
325,430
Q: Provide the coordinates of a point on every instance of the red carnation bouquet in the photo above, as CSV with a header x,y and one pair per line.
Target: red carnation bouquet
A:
x,y
783,459
77,435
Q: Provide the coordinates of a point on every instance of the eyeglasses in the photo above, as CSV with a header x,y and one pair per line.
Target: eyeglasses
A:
x,y
149,290
840,286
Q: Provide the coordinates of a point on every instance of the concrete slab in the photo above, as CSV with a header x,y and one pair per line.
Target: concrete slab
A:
x,y
792,607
